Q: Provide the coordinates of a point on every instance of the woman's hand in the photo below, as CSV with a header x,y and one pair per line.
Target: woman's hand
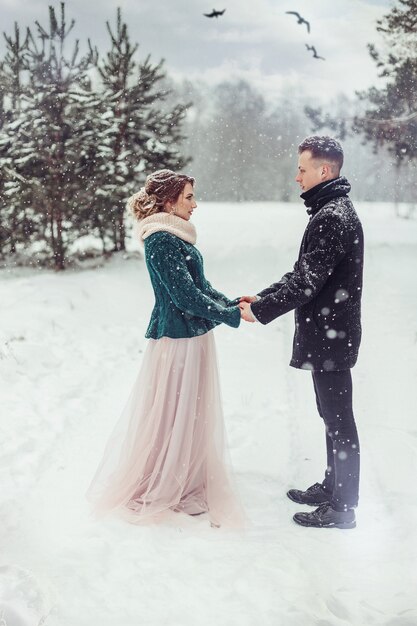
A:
x,y
245,312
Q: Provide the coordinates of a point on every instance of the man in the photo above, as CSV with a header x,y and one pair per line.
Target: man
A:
x,y
325,289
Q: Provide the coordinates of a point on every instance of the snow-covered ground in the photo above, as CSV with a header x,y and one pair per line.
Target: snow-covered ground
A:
x,y
70,348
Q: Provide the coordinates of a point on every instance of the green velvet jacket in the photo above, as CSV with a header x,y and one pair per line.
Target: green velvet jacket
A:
x,y
186,305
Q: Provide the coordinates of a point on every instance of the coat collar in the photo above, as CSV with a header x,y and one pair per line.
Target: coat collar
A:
x,y
169,223
316,197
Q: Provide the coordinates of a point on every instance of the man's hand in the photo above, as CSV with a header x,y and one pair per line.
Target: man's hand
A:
x,y
248,299
245,311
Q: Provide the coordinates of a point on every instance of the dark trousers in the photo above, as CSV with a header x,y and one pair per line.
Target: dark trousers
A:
x,y
334,404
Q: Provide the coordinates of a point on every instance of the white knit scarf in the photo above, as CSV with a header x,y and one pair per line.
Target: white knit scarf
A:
x,y
169,223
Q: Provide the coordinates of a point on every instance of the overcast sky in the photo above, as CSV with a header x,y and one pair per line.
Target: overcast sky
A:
x,y
254,39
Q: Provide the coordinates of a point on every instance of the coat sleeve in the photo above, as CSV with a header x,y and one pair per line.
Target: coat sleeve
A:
x,y
218,296
276,286
326,246
171,268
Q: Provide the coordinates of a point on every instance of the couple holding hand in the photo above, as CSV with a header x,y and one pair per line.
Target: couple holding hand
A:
x,y
167,451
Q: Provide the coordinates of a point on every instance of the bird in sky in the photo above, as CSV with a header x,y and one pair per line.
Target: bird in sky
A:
x,y
214,13
301,20
314,51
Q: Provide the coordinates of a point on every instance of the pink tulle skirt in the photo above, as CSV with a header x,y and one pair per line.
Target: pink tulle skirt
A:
x,y
167,451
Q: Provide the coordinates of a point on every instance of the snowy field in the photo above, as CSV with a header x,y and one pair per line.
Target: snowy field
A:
x,y
70,348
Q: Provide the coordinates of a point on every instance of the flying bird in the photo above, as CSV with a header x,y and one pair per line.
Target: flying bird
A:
x,y
301,20
314,51
214,13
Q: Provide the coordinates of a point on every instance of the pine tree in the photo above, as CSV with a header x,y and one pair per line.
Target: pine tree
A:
x,y
42,145
391,114
136,134
16,223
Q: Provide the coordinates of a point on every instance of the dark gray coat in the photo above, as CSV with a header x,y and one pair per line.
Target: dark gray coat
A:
x,y
325,286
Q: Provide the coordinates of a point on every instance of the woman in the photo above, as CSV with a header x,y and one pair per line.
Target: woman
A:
x,y
167,450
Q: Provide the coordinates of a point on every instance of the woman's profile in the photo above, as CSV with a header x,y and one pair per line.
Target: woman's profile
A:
x,y
167,450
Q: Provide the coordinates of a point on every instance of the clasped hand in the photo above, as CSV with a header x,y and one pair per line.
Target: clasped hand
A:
x,y
245,310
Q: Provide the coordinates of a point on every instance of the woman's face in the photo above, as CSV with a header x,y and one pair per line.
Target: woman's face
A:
x,y
185,203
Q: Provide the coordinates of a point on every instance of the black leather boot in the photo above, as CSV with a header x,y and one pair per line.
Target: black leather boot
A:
x,y
326,517
314,495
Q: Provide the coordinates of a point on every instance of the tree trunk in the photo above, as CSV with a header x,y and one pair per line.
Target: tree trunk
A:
x,y
396,188
58,250
103,238
122,232
115,238
12,237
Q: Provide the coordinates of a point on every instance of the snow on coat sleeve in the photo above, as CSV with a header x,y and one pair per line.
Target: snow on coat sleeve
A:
x,y
170,265
218,296
325,247
276,286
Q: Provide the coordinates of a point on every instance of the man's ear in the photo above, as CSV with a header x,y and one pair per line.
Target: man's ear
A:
x,y
326,170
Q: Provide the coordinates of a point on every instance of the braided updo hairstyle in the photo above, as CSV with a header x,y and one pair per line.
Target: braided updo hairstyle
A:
x,y
160,187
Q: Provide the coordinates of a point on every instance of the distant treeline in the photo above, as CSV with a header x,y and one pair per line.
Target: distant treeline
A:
x,y
245,148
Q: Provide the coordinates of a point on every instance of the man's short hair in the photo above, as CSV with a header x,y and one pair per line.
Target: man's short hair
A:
x,y
323,147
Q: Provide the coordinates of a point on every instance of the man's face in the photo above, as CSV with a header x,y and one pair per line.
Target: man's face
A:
x,y
311,171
